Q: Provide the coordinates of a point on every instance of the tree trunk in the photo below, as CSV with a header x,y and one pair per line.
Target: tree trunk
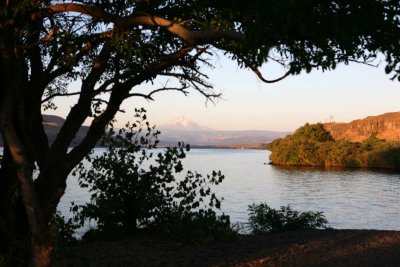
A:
x,y
24,236
41,250
22,220
22,225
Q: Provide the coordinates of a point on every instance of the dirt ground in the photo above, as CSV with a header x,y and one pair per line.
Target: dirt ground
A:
x,y
303,248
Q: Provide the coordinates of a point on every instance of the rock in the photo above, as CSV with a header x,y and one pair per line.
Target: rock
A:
x,y
385,126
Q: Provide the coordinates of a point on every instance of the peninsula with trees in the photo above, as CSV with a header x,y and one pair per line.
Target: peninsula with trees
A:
x,y
358,144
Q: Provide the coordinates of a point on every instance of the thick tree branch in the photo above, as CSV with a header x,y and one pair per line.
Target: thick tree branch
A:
x,y
177,29
259,74
81,110
261,77
53,175
34,130
97,127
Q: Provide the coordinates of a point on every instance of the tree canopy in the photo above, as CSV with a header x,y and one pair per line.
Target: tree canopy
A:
x,y
112,47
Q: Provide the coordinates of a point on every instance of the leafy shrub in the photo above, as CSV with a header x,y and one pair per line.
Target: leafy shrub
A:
x,y
65,230
264,219
196,226
131,188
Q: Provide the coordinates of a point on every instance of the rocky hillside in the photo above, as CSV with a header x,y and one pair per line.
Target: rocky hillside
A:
x,y
385,126
52,125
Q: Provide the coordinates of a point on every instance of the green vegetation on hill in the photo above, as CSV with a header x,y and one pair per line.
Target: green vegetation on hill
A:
x,y
312,145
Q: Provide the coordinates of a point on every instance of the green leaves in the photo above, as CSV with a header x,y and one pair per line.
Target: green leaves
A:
x,y
314,132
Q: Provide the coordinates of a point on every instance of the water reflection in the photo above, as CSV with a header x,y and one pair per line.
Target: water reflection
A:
x,y
355,198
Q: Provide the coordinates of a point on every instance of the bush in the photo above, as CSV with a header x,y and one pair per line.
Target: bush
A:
x,y
65,230
196,226
264,219
131,188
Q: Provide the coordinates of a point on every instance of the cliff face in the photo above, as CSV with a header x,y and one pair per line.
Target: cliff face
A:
x,y
385,126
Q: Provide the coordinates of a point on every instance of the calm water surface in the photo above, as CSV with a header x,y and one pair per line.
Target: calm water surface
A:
x,y
350,199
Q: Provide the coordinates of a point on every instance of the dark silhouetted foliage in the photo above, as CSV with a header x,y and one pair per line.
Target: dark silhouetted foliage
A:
x,y
264,219
66,229
131,188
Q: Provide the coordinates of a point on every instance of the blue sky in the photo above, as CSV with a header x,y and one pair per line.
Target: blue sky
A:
x,y
347,93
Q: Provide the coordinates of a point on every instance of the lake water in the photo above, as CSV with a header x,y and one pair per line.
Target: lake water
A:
x,y
350,199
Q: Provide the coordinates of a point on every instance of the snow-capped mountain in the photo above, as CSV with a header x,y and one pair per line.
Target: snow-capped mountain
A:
x,y
183,124
195,134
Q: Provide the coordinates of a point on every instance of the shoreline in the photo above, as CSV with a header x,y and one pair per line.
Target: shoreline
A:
x,y
335,168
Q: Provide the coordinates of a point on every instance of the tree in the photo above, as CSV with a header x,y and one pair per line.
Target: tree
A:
x,y
112,47
314,132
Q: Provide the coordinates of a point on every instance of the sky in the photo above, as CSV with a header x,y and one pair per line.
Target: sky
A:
x,y
349,92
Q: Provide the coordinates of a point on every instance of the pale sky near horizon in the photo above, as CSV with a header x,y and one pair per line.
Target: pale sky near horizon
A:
x,y
347,93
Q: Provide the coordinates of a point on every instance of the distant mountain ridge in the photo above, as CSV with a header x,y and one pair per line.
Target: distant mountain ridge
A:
x,y
385,126
184,130
190,132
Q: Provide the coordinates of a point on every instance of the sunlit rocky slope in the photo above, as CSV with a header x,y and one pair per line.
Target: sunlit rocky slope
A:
x,y
385,126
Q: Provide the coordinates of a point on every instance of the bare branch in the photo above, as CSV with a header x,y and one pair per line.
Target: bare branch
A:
x,y
280,62
147,97
364,63
197,83
59,94
150,95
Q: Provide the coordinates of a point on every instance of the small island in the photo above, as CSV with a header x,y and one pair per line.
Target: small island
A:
x,y
313,145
